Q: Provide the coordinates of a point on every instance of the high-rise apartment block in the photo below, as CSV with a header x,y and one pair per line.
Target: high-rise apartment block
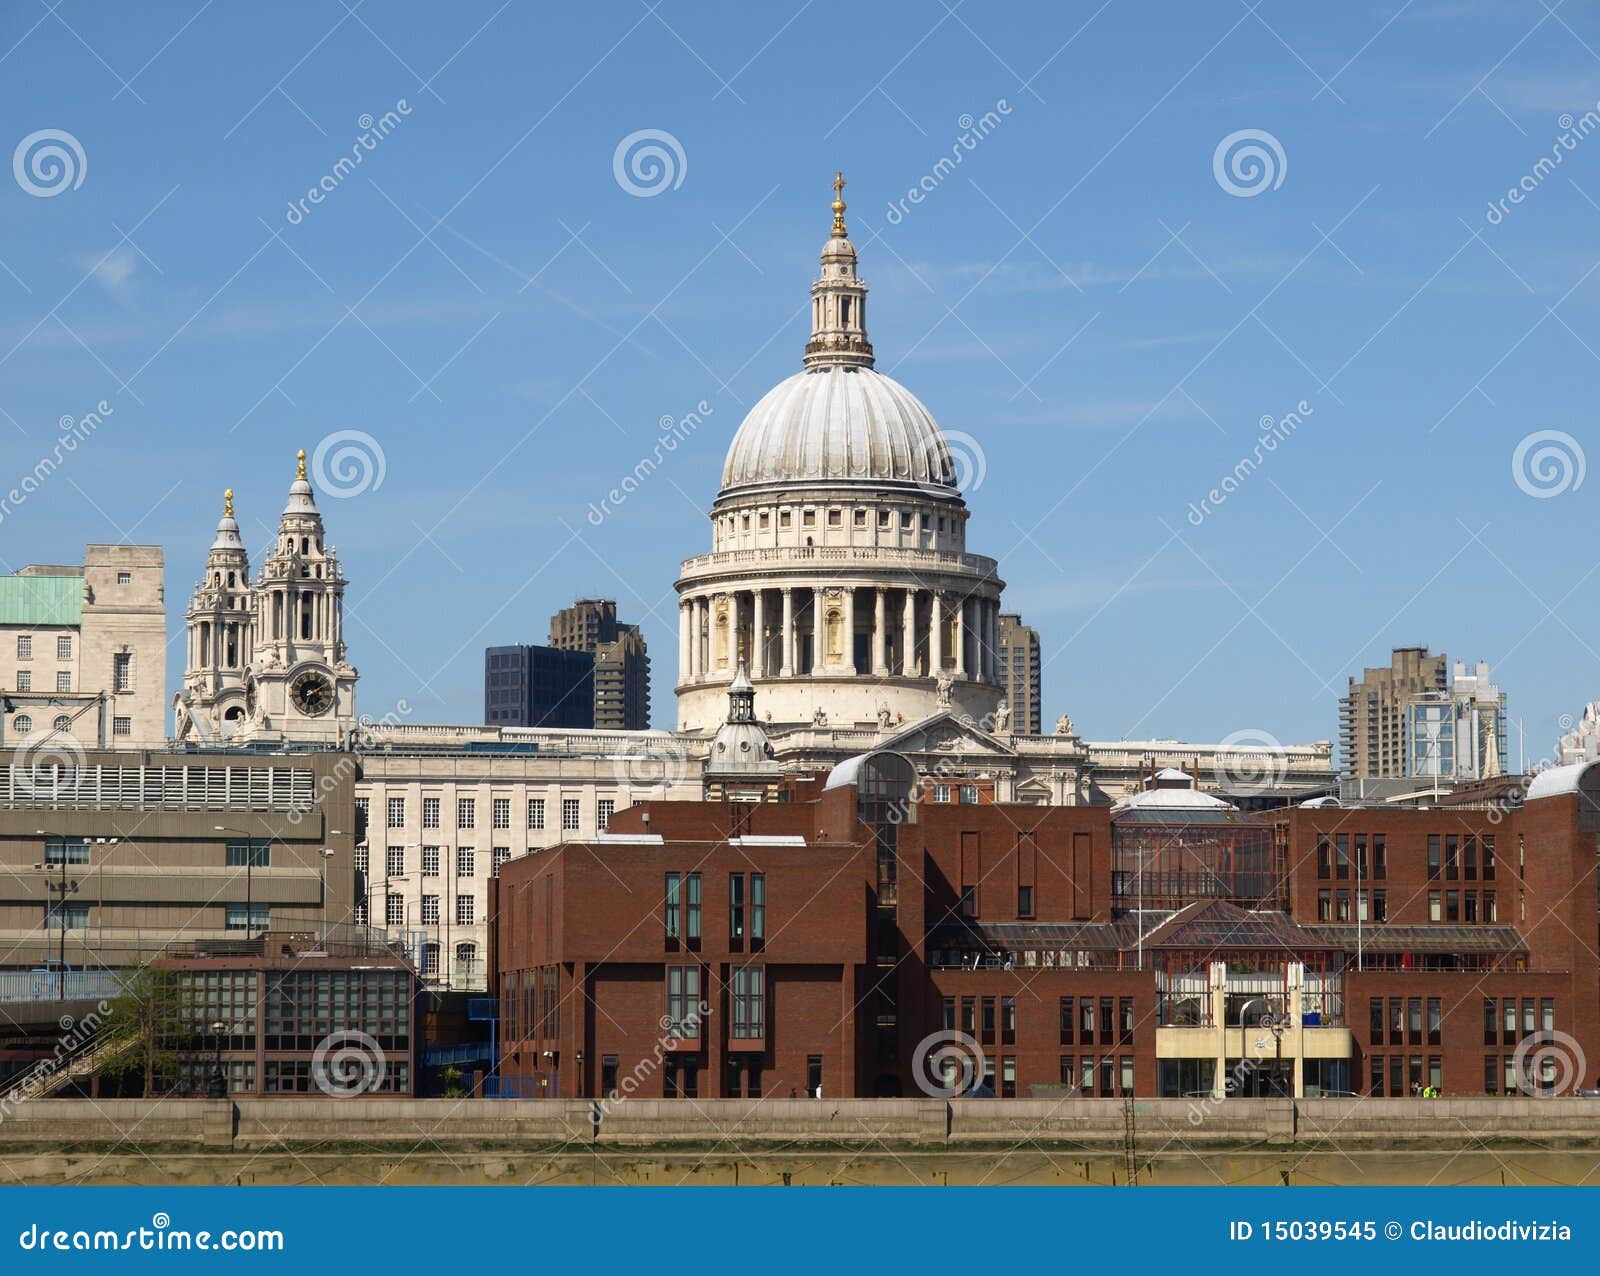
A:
x,y
1372,732
1423,717
1019,673
621,661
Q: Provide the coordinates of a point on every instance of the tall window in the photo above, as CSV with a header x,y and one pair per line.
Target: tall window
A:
x,y
63,680
498,856
395,910
736,907
24,646
749,1004
603,810
466,813
758,908
397,812
536,813
1433,855
24,683
395,864
500,813
430,812
569,814
430,861
674,889
466,861
63,646
692,908
430,910
464,910
683,1001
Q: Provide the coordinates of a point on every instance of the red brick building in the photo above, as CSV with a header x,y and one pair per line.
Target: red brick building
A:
x,y
864,939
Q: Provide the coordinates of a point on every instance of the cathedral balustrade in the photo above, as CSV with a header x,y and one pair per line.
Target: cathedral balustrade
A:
x,y
803,555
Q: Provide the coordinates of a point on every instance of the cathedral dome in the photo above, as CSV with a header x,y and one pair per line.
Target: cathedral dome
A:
x,y
834,424
839,421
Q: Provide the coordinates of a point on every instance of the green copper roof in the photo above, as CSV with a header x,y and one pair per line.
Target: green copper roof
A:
x,y
41,600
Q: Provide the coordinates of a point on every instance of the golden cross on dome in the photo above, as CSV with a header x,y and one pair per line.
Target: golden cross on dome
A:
x,y
301,456
838,205
227,503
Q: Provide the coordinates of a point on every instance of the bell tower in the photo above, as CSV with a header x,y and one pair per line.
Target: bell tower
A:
x,y
300,687
221,625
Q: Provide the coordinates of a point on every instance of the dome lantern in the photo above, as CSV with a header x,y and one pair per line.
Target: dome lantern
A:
x,y
838,301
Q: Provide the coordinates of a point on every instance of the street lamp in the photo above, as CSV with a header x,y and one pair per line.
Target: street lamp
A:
x,y
217,1086
249,881
326,855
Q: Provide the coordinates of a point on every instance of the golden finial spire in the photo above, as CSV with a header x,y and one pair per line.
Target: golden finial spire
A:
x,y
301,456
227,503
838,206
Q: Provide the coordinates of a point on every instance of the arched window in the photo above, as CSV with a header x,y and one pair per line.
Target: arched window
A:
x,y
466,954
22,723
62,723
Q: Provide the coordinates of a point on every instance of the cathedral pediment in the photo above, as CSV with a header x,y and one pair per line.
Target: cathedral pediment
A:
x,y
946,733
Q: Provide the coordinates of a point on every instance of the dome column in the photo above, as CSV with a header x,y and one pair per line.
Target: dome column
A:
x,y
786,655
880,665
735,621
817,606
685,657
958,637
908,635
758,635
936,634
849,652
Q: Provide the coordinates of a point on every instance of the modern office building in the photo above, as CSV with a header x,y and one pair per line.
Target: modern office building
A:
x,y
1019,674
621,661
857,940
1372,713
531,686
109,859
83,652
300,1014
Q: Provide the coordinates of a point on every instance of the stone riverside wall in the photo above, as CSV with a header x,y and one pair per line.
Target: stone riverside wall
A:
x,y
1159,1124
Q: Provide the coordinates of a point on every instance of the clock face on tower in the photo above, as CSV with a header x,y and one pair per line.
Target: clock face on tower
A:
x,y
311,693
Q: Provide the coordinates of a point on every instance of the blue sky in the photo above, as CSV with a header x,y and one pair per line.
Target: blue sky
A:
x,y
1081,295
